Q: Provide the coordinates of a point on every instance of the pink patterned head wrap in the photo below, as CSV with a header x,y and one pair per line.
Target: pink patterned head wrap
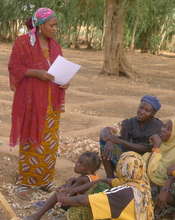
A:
x,y
40,17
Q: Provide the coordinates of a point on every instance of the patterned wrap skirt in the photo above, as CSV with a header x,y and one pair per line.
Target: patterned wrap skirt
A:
x,y
37,163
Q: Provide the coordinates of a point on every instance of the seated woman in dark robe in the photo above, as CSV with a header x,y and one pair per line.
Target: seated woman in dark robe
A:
x,y
134,134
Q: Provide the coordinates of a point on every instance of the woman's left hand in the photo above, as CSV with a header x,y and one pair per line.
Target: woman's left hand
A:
x,y
155,140
66,86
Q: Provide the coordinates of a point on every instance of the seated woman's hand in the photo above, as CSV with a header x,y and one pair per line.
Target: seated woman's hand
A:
x,y
155,140
105,134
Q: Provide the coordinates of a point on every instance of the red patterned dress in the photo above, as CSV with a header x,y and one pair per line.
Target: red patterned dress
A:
x,y
36,112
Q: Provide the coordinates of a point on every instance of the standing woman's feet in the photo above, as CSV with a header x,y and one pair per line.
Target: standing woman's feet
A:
x,y
24,192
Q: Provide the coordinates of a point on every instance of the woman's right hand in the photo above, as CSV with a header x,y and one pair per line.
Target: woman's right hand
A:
x,y
40,74
44,75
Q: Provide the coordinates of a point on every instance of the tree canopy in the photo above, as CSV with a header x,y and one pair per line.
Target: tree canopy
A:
x,y
149,24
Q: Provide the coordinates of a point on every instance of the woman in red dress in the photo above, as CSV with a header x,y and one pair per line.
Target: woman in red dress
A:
x,y
37,102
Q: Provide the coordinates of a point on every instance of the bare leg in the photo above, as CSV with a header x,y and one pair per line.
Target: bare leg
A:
x,y
50,203
109,169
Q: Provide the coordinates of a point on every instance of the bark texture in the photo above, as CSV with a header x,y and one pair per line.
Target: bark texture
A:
x,y
115,62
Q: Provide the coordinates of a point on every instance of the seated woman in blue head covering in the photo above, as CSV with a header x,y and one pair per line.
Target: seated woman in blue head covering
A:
x,y
134,134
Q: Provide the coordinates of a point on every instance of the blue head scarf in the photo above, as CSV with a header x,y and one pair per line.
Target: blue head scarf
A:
x,y
152,100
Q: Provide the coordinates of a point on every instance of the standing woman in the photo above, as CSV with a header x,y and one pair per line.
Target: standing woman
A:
x,y
37,102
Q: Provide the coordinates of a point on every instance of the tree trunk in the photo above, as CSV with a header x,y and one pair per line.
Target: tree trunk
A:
x,y
161,41
76,37
115,62
132,45
163,33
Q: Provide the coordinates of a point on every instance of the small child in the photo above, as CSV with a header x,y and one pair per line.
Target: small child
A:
x,y
166,133
87,164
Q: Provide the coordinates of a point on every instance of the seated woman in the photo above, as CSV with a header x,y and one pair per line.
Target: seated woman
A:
x,y
129,199
134,134
161,170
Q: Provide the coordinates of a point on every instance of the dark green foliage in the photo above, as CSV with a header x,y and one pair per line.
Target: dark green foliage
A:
x,y
78,20
154,20
149,24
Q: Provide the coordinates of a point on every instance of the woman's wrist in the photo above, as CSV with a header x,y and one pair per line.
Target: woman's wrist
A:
x,y
39,74
105,134
106,138
156,149
110,137
34,73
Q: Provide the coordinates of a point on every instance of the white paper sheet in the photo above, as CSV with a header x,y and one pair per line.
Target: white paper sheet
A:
x,y
63,70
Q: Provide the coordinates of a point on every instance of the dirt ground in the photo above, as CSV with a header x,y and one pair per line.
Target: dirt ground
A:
x,y
92,102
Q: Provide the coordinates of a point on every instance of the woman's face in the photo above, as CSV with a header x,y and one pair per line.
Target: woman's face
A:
x,y
145,111
166,130
49,28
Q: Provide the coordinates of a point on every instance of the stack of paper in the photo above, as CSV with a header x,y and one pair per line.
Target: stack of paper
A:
x,y
63,70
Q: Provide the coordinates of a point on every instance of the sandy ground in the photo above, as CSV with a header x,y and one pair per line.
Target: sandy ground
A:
x,y
92,102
